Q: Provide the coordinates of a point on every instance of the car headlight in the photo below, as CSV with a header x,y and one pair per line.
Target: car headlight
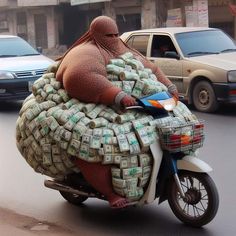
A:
x,y
6,75
232,76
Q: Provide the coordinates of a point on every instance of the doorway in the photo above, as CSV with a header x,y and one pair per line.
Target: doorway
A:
x,y
41,35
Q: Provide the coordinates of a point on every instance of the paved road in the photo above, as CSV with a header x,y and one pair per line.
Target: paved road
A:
x,y
43,211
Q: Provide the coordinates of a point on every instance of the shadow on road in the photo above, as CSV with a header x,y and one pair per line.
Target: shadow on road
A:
x,y
224,109
133,221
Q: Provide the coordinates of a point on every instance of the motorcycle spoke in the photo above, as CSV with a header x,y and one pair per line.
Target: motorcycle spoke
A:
x,y
188,209
194,211
201,187
186,204
199,209
184,183
202,206
206,195
191,181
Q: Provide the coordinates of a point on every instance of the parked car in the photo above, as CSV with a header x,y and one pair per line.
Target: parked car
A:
x,y
201,62
20,66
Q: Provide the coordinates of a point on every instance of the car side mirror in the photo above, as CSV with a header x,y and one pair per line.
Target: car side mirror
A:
x,y
40,49
171,54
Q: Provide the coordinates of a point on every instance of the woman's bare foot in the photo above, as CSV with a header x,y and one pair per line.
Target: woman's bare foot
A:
x,y
118,202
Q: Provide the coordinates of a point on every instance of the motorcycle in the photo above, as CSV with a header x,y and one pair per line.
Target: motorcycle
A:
x,y
181,179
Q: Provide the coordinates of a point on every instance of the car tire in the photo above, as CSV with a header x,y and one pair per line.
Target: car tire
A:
x,y
204,98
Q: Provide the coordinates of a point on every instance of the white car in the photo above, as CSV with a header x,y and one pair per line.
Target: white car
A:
x,y
20,66
201,62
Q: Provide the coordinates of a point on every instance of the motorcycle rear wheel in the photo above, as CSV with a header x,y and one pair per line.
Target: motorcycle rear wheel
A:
x,y
201,198
73,198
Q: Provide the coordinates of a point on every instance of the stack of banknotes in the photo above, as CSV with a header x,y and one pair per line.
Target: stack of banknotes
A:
x,y
54,129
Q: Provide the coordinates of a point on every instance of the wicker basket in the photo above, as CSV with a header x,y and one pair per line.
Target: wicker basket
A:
x,y
184,138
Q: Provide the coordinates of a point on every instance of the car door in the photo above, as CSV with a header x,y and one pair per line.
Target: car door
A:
x,y
140,42
163,52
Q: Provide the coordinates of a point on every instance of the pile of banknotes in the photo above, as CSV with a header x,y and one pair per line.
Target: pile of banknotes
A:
x,y
54,129
130,75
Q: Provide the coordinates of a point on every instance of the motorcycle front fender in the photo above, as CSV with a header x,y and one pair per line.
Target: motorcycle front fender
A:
x,y
194,164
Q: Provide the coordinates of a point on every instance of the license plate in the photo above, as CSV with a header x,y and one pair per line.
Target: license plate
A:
x,y
30,85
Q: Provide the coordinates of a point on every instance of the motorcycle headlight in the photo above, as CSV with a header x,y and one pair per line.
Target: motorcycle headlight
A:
x,y
169,104
232,76
6,75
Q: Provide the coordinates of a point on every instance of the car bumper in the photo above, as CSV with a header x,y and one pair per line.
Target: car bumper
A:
x,y
15,89
225,92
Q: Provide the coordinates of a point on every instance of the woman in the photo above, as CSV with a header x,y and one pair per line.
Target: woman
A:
x,y
82,71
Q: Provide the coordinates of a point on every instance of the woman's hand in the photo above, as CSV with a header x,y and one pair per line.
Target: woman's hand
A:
x,y
123,100
128,101
172,89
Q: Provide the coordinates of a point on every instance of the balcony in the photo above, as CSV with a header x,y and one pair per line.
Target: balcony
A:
x,y
30,3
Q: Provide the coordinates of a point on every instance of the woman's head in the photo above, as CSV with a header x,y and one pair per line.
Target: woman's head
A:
x,y
105,33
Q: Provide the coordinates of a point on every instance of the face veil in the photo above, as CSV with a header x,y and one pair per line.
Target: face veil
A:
x,y
105,33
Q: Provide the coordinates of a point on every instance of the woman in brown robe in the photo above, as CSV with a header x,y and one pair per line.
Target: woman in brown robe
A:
x,y
82,71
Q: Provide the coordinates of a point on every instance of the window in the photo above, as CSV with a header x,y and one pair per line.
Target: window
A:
x,y
161,44
140,43
11,47
204,42
128,22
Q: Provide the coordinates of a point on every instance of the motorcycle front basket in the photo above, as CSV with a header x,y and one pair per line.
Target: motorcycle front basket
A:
x,y
183,138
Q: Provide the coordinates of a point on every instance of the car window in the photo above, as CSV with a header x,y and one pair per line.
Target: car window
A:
x,y
139,42
161,44
204,42
12,47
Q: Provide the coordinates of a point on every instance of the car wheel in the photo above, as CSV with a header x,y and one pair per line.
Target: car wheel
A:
x,y
204,98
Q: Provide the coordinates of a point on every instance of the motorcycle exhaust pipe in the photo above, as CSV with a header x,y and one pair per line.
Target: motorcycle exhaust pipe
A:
x,y
61,187
52,184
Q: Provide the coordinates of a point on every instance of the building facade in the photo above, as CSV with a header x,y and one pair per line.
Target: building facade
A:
x,y
52,23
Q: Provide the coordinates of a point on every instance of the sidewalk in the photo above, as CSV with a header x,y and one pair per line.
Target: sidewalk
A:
x,y
8,230
12,223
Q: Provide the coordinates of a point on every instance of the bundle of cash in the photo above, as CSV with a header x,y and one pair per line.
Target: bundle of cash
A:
x,y
182,111
94,112
118,62
151,87
114,69
143,137
70,103
125,118
127,75
123,143
126,56
135,64
132,172
143,74
138,89
98,122
108,115
112,77
127,86
133,142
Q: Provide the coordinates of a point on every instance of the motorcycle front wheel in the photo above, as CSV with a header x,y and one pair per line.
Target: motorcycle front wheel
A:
x,y
201,201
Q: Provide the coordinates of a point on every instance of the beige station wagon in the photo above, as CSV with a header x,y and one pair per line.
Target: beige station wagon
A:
x,y
201,62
